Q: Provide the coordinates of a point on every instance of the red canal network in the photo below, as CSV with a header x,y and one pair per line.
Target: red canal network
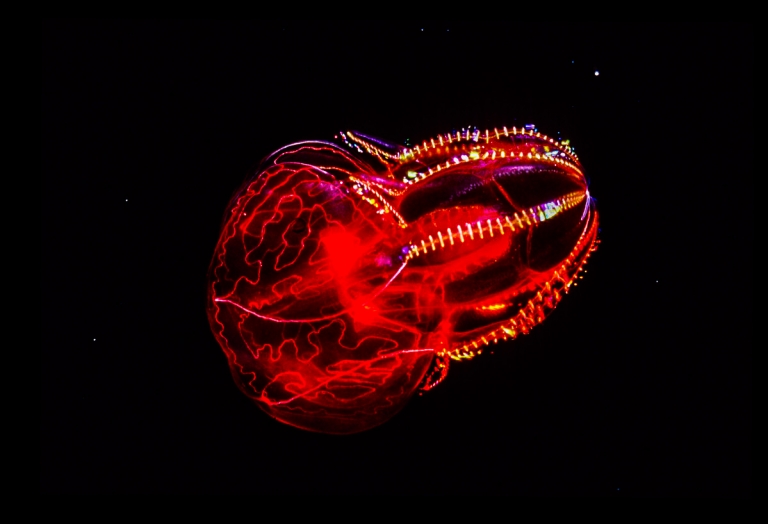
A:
x,y
349,275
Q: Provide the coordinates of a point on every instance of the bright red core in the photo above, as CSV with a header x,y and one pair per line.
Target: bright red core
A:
x,y
348,276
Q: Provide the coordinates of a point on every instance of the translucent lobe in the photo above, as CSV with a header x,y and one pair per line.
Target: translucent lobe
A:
x,y
341,284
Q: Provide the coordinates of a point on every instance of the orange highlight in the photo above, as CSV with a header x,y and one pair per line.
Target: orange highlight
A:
x,y
348,276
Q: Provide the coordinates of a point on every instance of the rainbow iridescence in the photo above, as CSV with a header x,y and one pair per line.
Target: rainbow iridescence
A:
x,y
348,276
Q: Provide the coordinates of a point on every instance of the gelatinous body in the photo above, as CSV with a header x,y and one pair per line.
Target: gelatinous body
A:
x,y
348,276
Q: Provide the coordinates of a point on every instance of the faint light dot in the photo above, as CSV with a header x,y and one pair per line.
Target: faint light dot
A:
x,y
422,29
94,340
126,200
597,73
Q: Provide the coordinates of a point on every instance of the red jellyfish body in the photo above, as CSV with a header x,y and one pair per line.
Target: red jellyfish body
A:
x,y
348,276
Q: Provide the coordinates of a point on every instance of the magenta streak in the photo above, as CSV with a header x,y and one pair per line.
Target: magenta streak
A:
x,y
586,206
385,286
273,319
265,317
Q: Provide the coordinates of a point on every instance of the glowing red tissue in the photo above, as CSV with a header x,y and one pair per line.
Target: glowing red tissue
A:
x,y
348,275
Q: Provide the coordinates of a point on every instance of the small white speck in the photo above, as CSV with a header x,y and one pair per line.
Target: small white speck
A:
x,y
422,29
94,340
126,200
597,73
657,281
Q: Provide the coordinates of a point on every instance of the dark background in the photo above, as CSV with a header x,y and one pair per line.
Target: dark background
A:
x,y
640,384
